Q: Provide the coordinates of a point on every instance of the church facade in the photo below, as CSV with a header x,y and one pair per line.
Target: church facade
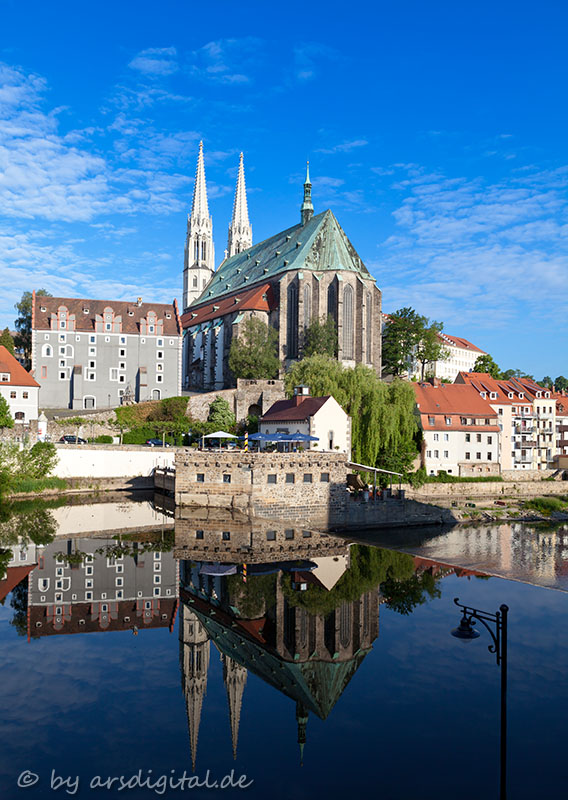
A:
x,y
306,272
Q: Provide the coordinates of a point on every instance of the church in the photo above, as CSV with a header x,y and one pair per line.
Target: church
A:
x,y
306,272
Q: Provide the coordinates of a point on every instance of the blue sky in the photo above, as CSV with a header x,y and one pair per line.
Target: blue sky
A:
x,y
436,132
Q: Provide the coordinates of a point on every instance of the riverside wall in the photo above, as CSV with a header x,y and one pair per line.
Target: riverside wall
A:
x,y
490,490
109,462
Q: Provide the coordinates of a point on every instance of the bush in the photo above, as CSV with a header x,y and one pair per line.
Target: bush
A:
x,y
43,456
103,439
445,477
546,505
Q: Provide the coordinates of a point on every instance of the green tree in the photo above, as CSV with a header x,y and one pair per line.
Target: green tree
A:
x,y
430,347
485,363
383,423
561,383
401,335
24,324
321,337
220,415
7,340
509,373
547,381
254,354
6,420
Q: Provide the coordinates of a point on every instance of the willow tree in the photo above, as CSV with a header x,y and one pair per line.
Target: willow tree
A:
x,y
383,422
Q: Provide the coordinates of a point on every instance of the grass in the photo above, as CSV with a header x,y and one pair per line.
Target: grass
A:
x,y
444,477
29,485
546,505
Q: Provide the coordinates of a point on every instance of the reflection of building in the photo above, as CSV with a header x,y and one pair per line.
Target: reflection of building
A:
x,y
88,591
308,657
194,662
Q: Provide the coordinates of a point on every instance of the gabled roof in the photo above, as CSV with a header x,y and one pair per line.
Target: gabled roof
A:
x,y
451,398
14,576
319,245
86,310
459,341
258,298
18,375
294,411
483,382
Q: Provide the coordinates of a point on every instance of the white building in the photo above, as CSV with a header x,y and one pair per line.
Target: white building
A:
x,y
460,356
315,416
18,388
460,429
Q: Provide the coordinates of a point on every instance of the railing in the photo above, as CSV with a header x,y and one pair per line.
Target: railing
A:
x,y
165,479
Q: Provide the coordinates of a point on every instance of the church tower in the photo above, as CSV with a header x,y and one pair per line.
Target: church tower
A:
x,y
307,210
194,662
235,678
240,231
199,260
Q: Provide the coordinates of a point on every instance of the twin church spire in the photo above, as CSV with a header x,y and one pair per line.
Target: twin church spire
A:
x,y
199,257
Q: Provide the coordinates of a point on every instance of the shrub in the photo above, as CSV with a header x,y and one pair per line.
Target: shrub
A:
x,y
103,439
43,459
546,505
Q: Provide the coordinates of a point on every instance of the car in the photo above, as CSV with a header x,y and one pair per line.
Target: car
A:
x,y
72,440
157,443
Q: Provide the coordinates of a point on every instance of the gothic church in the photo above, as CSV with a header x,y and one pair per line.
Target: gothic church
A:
x,y
306,272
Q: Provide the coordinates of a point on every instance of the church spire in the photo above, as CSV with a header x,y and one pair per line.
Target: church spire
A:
x,y
199,259
235,678
302,720
307,209
194,662
240,231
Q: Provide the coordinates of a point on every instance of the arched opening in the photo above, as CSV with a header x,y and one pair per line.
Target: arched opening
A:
x,y
254,410
292,327
332,302
369,325
89,402
307,306
156,394
46,351
348,322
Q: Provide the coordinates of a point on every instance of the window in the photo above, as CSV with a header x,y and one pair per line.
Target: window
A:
x,y
478,456
88,595
92,351
436,454
199,534
270,536
290,478
446,454
122,365
47,351
62,337
226,536
92,364
159,378
91,376
448,420
122,353
113,374
44,372
62,376
292,318
489,440
271,478
436,437
489,456
19,416
159,343
468,437
200,477
123,340
446,437
478,437
108,326
324,477
348,328
92,339
467,456
171,340
307,305
160,354
159,367
12,395
157,578
288,534
107,339
307,534
428,454
119,594
226,478
500,411
307,477
118,581
431,420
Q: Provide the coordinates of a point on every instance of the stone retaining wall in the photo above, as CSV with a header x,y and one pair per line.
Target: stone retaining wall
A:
x,y
248,393
439,492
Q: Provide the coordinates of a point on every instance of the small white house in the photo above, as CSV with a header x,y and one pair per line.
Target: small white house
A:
x,y
315,416
18,388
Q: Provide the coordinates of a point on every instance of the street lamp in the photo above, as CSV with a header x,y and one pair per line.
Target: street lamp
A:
x,y
496,624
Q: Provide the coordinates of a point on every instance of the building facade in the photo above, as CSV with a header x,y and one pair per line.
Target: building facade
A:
x,y
18,389
89,354
304,273
460,428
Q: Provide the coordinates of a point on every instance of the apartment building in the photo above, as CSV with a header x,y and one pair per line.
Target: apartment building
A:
x,y
89,354
561,423
18,388
460,429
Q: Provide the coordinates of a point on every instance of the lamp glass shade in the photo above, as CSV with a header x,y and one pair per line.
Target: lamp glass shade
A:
x,y
465,631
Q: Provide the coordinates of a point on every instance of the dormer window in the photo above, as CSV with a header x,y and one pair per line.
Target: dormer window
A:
x,y
547,394
85,311
150,329
108,326
483,394
510,395
4,377
521,395
168,316
43,308
131,313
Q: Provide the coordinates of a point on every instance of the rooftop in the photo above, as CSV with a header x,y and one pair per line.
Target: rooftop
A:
x,y
18,376
451,398
297,409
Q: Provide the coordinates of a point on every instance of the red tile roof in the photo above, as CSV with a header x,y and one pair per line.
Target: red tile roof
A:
x,y
258,298
14,576
18,375
454,401
459,341
483,382
85,311
297,409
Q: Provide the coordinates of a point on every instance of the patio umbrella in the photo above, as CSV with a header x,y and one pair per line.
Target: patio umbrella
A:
x,y
220,435
216,569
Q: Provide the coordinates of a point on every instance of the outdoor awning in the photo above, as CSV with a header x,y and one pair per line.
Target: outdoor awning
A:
x,y
220,435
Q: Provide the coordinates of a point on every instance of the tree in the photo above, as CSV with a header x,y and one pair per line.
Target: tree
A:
x,y
24,324
254,354
220,415
430,348
561,383
383,422
7,340
401,335
485,363
6,420
321,337
547,381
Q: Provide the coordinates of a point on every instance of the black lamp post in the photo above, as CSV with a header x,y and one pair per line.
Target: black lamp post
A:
x,y
496,624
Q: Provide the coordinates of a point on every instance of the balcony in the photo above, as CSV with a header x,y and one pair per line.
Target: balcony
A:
x,y
523,429
525,445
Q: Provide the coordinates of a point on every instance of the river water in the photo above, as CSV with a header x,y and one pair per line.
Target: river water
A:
x,y
332,673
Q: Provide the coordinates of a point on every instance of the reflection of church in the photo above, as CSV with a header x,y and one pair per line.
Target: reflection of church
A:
x,y
308,657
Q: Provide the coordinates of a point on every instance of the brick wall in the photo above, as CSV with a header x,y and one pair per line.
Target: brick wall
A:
x,y
248,393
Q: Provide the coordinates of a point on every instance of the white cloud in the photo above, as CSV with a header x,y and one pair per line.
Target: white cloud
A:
x,y
343,147
227,61
308,58
155,61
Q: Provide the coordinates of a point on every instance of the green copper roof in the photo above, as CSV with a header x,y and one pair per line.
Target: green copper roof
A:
x,y
319,245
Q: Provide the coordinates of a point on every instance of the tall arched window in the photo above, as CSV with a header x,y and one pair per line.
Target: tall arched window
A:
x,y
369,326
307,305
47,351
345,612
292,328
204,250
196,255
332,302
348,322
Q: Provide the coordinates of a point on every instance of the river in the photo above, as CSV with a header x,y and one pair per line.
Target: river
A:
x,y
332,672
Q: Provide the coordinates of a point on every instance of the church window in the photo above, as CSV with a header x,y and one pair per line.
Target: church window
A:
x,y
196,250
348,322
292,315
307,305
195,281
345,624
332,302
203,251
369,325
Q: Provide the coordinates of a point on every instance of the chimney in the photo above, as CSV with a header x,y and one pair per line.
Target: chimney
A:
x,y
139,302
436,382
300,394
